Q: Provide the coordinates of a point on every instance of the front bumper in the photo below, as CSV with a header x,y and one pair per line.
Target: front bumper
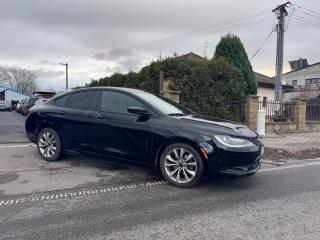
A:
x,y
243,170
234,163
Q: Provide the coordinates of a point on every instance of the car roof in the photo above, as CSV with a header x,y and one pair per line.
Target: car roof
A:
x,y
131,90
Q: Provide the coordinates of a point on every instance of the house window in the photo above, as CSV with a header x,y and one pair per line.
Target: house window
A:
x,y
294,82
312,81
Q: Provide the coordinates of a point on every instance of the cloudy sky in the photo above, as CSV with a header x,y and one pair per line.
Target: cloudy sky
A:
x,y
100,37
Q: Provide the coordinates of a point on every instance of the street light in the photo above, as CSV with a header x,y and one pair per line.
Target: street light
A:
x,y
66,64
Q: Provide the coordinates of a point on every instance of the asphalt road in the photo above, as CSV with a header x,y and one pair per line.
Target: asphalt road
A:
x,y
12,128
87,198
280,204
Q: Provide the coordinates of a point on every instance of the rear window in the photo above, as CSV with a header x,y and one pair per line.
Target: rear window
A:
x,y
32,101
83,100
62,101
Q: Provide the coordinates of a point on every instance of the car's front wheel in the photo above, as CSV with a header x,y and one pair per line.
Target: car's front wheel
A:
x,y
49,145
181,165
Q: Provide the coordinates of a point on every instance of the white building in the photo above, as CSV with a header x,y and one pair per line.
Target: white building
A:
x,y
266,86
8,94
305,79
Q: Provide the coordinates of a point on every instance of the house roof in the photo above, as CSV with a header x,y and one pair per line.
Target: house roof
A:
x,y
9,89
311,65
193,56
265,81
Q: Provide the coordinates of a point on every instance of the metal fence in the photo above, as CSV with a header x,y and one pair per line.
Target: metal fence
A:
x,y
313,112
277,111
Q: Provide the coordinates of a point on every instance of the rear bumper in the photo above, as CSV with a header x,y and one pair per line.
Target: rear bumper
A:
x,y
5,108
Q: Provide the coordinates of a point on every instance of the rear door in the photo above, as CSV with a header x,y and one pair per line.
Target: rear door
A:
x,y
74,117
119,133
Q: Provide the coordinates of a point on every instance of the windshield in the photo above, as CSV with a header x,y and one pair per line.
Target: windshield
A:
x,y
164,105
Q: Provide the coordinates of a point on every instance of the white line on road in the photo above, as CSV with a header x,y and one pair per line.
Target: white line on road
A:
x,y
304,164
100,190
77,193
17,146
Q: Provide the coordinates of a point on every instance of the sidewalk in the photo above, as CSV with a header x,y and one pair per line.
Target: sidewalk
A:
x,y
293,141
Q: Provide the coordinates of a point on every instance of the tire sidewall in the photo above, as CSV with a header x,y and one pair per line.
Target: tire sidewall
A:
x,y
57,154
200,165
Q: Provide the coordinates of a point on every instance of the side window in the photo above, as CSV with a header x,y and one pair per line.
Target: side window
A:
x,y
62,102
117,102
83,100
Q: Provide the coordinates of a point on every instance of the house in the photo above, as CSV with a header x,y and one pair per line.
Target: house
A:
x,y
302,74
266,86
304,78
9,95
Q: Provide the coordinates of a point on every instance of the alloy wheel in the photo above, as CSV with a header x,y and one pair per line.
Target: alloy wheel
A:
x,y
47,144
180,165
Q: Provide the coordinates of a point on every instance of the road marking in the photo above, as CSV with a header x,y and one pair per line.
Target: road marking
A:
x,y
305,164
18,145
71,193
76,193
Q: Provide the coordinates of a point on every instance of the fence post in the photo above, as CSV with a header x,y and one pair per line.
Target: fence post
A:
x,y
300,105
251,111
171,94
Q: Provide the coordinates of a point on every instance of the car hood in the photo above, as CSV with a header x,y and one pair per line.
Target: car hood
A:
x,y
215,126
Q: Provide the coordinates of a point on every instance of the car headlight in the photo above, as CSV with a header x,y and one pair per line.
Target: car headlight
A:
x,y
232,142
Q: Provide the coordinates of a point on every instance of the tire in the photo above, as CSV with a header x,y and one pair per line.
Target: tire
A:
x,y
49,145
181,165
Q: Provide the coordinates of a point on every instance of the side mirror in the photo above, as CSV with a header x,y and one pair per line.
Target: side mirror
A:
x,y
139,111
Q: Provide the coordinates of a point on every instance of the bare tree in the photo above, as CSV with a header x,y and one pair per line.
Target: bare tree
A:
x,y
19,79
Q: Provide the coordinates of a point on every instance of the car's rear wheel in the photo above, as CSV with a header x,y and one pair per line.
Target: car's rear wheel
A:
x,y
49,145
181,165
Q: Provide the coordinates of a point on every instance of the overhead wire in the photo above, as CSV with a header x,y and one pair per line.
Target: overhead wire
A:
x,y
162,42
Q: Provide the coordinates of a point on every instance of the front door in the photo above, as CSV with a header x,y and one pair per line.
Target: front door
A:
x,y
119,133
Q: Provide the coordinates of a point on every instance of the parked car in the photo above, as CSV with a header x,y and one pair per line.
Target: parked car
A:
x,y
28,104
5,106
143,128
20,105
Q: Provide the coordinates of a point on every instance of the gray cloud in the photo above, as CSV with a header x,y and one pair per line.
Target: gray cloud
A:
x,y
40,73
124,61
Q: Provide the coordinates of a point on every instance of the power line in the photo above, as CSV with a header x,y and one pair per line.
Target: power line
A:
x,y
312,11
307,13
290,16
262,45
305,20
246,20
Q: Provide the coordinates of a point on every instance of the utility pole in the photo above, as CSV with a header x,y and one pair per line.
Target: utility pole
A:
x,y
206,45
66,64
281,13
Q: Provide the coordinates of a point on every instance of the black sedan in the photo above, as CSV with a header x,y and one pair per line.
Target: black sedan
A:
x,y
143,128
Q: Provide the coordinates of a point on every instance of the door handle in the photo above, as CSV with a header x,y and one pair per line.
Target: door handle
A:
x,y
102,117
61,112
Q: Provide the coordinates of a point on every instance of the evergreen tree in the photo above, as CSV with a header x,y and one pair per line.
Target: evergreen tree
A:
x,y
231,49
